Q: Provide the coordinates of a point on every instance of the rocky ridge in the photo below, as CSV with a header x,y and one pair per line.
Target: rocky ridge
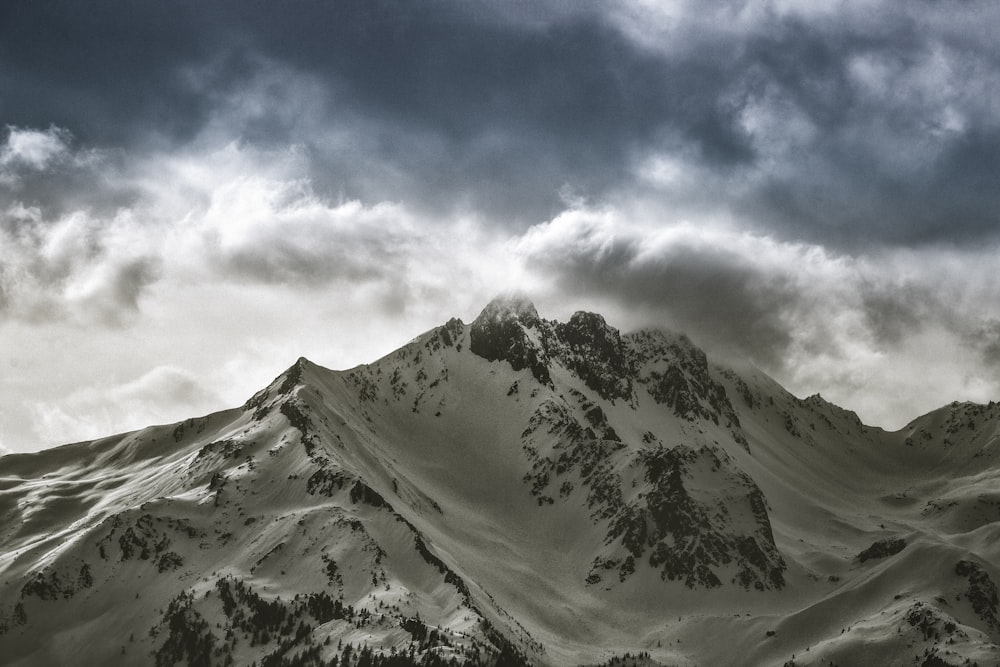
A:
x,y
418,510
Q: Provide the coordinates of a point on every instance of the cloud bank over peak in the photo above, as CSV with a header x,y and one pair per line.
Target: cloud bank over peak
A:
x,y
857,327
219,188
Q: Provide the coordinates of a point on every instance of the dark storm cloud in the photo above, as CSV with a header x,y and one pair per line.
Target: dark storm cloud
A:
x,y
716,297
708,287
462,112
451,105
987,339
108,71
908,157
785,306
896,312
871,124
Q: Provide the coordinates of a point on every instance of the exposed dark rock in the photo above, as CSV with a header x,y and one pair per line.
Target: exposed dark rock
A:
x,y
326,481
188,639
169,561
297,418
982,592
52,584
416,628
663,525
676,373
145,538
142,540
882,549
293,376
935,661
290,379
688,539
217,482
594,351
227,449
500,334
447,335
361,492
332,571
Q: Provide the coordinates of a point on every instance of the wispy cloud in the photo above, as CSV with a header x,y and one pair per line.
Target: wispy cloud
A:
x,y
158,396
31,149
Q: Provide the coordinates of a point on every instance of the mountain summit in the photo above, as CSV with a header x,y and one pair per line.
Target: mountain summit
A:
x,y
512,491
509,307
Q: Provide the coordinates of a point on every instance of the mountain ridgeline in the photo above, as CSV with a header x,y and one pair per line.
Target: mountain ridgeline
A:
x,y
512,491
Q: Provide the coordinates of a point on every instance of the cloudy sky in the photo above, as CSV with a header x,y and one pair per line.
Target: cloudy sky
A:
x,y
193,194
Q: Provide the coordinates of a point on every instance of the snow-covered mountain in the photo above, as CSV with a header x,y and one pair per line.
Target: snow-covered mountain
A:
x,y
515,490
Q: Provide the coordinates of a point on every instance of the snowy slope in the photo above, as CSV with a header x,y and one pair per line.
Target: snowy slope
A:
x,y
514,490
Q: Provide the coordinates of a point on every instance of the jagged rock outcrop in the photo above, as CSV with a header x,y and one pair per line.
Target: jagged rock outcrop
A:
x,y
501,333
672,369
982,592
675,373
594,351
883,548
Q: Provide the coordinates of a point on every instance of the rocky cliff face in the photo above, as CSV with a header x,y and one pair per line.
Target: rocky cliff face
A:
x,y
503,332
681,507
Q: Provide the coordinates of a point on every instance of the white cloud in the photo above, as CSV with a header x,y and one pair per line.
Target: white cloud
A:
x,y
78,267
30,153
33,149
164,394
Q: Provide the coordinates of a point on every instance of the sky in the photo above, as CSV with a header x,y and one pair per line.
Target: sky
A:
x,y
194,194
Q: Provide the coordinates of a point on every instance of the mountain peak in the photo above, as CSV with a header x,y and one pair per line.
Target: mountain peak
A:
x,y
396,513
510,306
282,385
499,333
